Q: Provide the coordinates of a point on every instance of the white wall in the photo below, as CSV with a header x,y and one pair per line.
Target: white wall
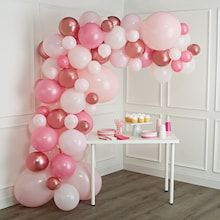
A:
x,y
23,24
192,101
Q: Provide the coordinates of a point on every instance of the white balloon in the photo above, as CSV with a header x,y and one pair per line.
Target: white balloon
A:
x,y
161,74
116,38
79,57
89,17
131,21
39,120
183,42
174,54
104,50
66,197
69,42
72,101
91,109
94,67
49,68
188,67
119,59
135,65
132,35
81,85
70,121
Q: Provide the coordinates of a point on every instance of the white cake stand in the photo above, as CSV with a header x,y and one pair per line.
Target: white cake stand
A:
x,y
136,127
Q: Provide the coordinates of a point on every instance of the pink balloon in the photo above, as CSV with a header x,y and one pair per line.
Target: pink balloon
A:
x,y
146,58
44,139
42,110
48,91
105,83
89,17
84,116
90,35
30,188
73,142
62,166
131,22
176,65
186,56
118,58
184,28
62,61
161,30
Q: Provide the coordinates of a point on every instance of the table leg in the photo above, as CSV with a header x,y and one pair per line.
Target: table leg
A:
x,y
93,162
172,174
167,168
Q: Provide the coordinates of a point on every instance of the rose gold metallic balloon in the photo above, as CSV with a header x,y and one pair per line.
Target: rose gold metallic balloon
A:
x,y
37,161
67,77
55,118
115,20
83,126
69,27
194,49
53,183
161,57
97,57
135,49
107,26
92,98
41,51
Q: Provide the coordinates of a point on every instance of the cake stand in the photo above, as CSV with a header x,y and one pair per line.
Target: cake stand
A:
x,y
136,127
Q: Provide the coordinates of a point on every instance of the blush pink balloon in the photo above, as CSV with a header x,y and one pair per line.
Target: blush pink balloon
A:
x,y
48,91
63,166
105,83
44,139
89,17
160,31
146,58
30,188
184,28
73,142
42,110
176,65
131,22
186,56
118,58
63,62
90,35
84,117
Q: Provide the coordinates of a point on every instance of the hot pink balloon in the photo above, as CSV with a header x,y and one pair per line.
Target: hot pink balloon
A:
x,y
30,188
63,61
186,56
63,166
84,116
176,65
105,83
161,30
44,139
48,91
184,28
90,35
146,58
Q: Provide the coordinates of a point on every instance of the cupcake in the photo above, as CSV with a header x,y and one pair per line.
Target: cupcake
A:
x,y
134,119
141,119
147,118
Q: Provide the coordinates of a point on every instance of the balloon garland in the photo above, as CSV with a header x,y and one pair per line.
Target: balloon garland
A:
x,y
74,80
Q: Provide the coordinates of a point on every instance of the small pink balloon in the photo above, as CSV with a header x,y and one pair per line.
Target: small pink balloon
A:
x,y
63,166
63,62
84,117
37,161
42,110
44,139
146,58
48,91
184,28
90,35
186,56
176,65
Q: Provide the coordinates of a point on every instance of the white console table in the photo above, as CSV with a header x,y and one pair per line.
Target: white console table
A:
x,y
169,142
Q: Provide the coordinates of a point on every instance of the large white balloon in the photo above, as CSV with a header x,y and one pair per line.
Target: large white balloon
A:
x,y
66,197
72,101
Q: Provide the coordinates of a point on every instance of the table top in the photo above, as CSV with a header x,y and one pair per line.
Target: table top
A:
x,y
92,138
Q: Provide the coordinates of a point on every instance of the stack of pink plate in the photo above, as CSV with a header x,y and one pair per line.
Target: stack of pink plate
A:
x,y
148,134
106,132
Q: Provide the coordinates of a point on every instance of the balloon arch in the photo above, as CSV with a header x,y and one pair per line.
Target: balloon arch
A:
x,y
74,79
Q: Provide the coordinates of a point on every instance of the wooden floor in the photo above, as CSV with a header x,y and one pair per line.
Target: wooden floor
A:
x,y
130,196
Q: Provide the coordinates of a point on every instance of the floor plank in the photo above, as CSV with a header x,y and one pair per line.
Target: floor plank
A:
x,y
127,195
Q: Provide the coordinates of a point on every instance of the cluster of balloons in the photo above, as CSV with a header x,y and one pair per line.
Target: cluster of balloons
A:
x,y
74,80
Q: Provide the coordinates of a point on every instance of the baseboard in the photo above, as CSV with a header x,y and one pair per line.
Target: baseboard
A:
x,y
110,169
7,197
205,180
